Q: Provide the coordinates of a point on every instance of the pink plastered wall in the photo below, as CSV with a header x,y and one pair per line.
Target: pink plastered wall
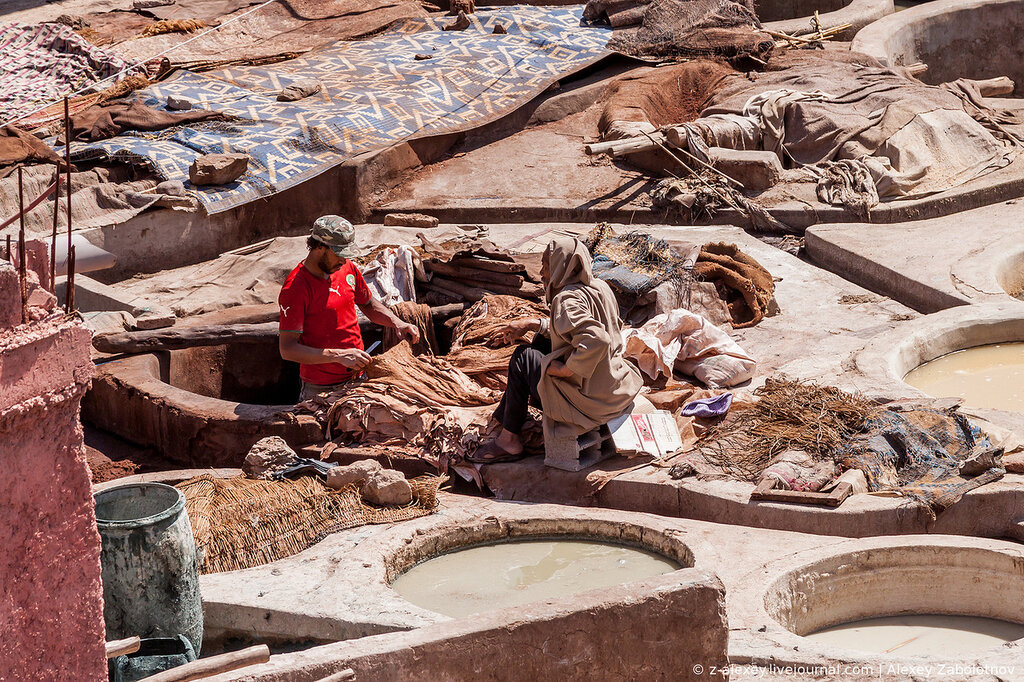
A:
x,y
51,599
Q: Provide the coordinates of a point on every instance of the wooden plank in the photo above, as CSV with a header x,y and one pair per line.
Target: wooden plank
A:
x,y
765,491
120,647
215,665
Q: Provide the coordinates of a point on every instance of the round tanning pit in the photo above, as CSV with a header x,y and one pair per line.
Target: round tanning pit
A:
x,y
989,376
945,600
976,39
1010,274
498,575
461,571
968,351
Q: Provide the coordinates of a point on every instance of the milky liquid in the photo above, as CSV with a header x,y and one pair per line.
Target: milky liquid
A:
x,y
986,376
921,635
513,573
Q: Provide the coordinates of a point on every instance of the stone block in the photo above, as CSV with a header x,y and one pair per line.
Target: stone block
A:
x,y
179,103
357,472
755,170
410,220
218,169
387,487
300,89
269,455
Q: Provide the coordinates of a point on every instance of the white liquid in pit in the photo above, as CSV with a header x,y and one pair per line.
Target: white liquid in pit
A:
x,y
513,573
986,376
920,634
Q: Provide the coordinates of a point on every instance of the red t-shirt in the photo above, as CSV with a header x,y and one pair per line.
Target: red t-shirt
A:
x,y
323,312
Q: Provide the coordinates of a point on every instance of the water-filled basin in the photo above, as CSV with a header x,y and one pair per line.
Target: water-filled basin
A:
x,y
493,576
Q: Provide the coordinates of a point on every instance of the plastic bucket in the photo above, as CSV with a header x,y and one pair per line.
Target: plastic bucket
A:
x,y
150,567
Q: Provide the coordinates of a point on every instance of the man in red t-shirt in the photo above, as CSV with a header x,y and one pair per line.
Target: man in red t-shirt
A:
x,y
319,326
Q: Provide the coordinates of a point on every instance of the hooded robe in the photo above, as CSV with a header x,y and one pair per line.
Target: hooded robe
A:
x,y
585,335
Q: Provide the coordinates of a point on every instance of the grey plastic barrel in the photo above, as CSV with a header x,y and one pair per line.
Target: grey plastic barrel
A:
x,y
150,567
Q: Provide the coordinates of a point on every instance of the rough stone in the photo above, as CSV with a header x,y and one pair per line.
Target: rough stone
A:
x,y
218,169
179,103
410,220
300,89
360,471
755,170
387,487
267,456
171,188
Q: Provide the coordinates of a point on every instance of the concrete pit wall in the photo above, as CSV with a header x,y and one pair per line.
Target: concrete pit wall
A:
x,y
202,406
887,358
51,612
955,38
652,629
915,578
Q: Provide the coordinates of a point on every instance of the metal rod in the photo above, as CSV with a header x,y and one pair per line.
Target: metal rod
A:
x,y
10,253
53,236
70,298
22,270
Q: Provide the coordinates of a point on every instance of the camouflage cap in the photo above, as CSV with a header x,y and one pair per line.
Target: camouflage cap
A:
x,y
337,234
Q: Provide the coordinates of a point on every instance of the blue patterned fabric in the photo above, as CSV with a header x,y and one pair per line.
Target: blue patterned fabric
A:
x,y
375,93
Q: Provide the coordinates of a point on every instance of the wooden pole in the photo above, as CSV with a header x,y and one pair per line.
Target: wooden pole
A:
x,y
22,271
214,665
120,647
69,298
10,253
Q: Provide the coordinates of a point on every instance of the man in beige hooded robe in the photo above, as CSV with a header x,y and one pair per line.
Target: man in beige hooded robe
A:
x,y
582,379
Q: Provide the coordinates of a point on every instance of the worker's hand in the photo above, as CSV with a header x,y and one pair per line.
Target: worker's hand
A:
x,y
516,329
353,358
558,369
408,331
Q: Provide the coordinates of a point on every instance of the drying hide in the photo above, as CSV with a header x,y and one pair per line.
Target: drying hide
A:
x,y
586,335
419,403
752,285
660,29
104,121
478,346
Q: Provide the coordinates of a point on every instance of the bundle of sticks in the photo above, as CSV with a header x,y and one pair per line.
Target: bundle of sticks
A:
x,y
471,277
814,39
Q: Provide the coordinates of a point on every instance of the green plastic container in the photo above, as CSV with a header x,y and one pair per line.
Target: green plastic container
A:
x,y
150,567
154,656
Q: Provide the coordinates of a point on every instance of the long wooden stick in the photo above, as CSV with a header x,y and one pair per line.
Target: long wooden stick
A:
x,y
22,271
120,647
214,665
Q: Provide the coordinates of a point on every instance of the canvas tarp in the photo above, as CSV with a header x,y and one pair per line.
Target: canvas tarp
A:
x,y
44,62
913,139
686,341
375,93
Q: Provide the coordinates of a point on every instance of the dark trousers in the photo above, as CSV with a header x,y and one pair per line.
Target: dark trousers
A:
x,y
523,377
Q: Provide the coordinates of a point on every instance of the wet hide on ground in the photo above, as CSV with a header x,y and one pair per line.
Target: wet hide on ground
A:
x,y
478,347
413,402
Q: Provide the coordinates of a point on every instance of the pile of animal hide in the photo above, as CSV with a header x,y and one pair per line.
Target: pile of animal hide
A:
x,y
478,347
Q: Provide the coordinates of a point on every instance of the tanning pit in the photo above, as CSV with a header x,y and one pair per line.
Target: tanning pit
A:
x,y
955,38
885,601
974,352
200,406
